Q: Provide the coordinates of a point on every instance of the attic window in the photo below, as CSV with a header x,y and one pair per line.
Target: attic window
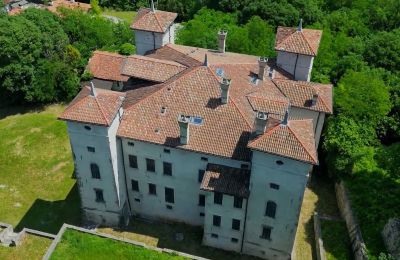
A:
x,y
88,127
279,162
163,110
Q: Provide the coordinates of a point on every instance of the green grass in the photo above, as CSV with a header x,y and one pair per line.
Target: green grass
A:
x,y
36,188
79,245
124,15
32,248
336,240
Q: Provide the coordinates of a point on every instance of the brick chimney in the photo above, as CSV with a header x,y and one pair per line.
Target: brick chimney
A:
x,y
183,122
225,84
262,64
261,122
222,40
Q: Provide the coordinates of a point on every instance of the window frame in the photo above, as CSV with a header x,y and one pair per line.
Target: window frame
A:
x,y
150,165
236,224
217,221
274,186
168,196
266,235
99,194
200,175
270,209
133,162
236,200
168,166
136,186
152,191
95,175
202,200
91,149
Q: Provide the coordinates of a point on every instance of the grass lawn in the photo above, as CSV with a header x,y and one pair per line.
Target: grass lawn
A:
x,y
32,248
124,15
319,196
36,188
79,245
336,240
163,235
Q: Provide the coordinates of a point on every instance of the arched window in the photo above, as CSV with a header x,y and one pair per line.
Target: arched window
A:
x,y
94,168
270,211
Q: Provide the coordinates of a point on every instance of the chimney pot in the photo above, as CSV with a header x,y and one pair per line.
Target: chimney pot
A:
x,y
225,84
261,122
262,64
183,122
222,40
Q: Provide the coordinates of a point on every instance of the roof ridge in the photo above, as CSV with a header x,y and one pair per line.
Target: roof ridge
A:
x,y
265,135
101,110
298,139
287,36
308,43
168,62
159,24
266,98
73,105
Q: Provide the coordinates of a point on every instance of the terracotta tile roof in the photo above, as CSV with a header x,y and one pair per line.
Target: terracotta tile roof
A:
x,y
98,110
136,95
227,180
107,66
304,42
294,140
158,21
196,92
301,93
150,68
68,4
168,53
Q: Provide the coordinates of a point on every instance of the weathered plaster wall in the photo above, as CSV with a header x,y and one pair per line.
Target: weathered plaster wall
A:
x,y
296,64
147,41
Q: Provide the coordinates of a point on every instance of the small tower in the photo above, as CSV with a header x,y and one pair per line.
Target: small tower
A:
x,y
296,49
153,29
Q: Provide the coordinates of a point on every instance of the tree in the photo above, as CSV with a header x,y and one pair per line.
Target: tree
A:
x,y
127,49
95,6
363,96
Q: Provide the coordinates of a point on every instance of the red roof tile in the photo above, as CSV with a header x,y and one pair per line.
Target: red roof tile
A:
x,y
150,68
304,42
158,21
294,140
227,180
100,109
107,66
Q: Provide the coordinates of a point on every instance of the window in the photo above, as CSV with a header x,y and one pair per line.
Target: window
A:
x,y
90,149
169,195
279,162
204,159
167,151
88,127
133,161
202,200
237,202
201,175
94,168
201,214
274,186
167,168
99,195
270,211
218,198
214,235
152,189
244,166
131,143
135,185
169,207
266,233
137,200
216,220
235,224
150,165
234,240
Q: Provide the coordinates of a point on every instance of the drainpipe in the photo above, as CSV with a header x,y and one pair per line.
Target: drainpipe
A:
x,y
126,182
244,225
154,40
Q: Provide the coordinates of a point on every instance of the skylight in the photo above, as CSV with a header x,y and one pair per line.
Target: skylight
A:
x,y
220,72
196,120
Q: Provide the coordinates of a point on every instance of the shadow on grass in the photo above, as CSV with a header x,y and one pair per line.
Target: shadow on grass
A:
x,y
164,234
15,110
49,216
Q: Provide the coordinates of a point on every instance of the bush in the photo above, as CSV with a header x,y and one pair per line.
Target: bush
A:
x,y
127,49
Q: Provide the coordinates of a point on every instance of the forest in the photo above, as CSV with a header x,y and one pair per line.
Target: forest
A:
x,y
42,58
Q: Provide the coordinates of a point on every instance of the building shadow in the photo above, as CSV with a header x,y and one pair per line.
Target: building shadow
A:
x,y
15,110
49,216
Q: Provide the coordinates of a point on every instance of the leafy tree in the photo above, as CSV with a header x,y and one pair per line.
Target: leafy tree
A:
x,y
127,49
95,6
363,96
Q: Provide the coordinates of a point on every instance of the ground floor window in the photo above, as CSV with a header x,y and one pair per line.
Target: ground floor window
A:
x,y
169,195
266,232
99,195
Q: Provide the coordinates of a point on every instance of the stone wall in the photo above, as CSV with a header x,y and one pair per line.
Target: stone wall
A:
x,y
357,243
391,237
319,244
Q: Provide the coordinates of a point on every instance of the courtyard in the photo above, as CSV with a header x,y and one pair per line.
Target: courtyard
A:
x,y
38,191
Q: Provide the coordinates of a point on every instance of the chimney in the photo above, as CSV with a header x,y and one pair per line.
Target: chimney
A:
x,y
262,64
153,9
285,118
205,63
314,99
225,84
261,122
92,89
300,27
183,122
222,40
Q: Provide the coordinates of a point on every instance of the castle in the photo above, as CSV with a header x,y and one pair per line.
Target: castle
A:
x,y
210,138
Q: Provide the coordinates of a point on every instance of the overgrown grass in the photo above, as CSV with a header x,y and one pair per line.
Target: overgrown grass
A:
x,y
124,15
32,248
79,245
336,240
36,188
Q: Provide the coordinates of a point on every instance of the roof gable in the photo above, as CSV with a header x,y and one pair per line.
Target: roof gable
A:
x,y
107,66
305,41
157,21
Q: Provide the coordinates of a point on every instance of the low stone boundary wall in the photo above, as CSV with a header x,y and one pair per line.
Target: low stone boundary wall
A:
x,y
357,242
319,244
17,237
124,240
